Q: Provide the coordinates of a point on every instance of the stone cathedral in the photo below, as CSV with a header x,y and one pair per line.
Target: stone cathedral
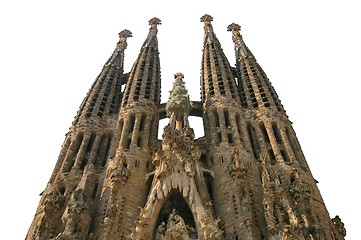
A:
x,y
246,178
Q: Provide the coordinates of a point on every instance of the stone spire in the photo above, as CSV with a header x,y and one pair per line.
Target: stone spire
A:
x,y
144,79
209,35
207,19
135,135
65,210
217,78
152,40
118,55
240,46
255,88
104,96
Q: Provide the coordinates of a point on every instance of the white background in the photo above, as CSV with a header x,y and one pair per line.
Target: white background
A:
x,y
52,51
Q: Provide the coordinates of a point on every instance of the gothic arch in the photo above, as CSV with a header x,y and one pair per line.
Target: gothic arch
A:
x,y
148,218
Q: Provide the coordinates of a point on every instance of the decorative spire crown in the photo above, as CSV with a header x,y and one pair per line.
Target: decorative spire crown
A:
x,y
237,38
207,19
123,35
154,22
151,39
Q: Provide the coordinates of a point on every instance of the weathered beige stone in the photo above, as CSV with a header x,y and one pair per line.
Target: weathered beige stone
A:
x,y
247,178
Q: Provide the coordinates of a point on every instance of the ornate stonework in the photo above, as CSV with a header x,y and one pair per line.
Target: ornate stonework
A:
x,y
247,178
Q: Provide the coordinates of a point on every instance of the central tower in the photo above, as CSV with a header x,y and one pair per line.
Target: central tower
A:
x,y
247,178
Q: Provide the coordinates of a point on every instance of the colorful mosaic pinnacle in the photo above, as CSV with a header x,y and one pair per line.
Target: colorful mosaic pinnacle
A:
x,y
178,102
123,35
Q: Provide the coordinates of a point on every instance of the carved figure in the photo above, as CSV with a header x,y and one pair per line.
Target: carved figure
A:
x,y
176,228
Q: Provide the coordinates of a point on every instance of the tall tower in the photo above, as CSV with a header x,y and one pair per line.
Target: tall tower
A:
x,y
247,178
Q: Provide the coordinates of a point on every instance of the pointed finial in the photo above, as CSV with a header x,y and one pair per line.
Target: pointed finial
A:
x,y
234,27
123,35
237,38
207,19
151,39
179,75
154,22
153,25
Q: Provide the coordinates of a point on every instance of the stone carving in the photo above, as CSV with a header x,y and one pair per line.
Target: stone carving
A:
x,y
340,227
119,118
77,217
117,171
238,168
237,39
176,166
281,219
176,228
300,191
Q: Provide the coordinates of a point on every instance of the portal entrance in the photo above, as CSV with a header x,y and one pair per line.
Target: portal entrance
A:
x,y
174,219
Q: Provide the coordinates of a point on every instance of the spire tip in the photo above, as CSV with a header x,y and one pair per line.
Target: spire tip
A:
x,y
125,34
234,27
154,21
206,18
179,75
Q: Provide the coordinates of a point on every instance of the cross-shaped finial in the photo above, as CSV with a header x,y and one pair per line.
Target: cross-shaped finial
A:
x,y
125,34
207,18
154,21
234,27
177,75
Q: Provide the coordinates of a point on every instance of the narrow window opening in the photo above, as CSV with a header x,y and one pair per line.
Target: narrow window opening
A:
x,y
139,142
132,120
109,139
83,164
216,117
226,118
272,156
285,156
264,132
78,143
142,122
90,143
230,139
129,142
252,139
95,190
238,124
208,179
276,132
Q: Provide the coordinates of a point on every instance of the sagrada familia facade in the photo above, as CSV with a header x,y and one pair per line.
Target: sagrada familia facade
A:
x,y
247,178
